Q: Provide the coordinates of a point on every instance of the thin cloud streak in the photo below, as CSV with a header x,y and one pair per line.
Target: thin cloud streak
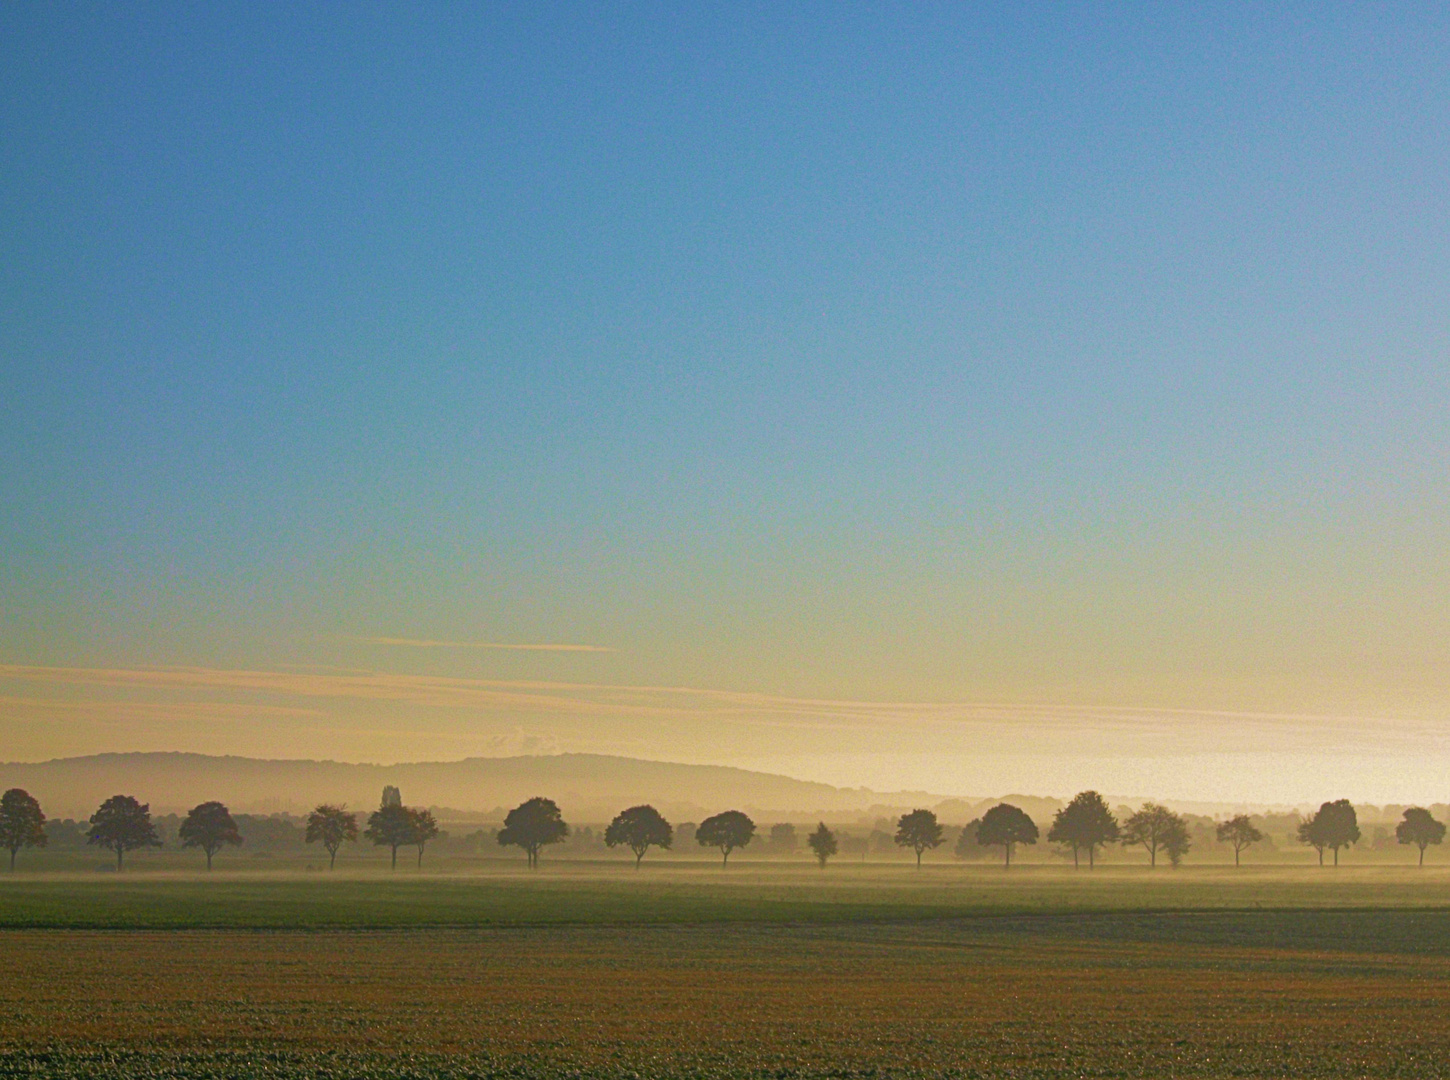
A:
x,y
961,747
758,710
428,643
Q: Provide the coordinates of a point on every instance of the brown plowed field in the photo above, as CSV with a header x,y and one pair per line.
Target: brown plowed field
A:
x,y
1145,996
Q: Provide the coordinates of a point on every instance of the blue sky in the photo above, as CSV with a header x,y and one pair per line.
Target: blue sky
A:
x,y
1078,354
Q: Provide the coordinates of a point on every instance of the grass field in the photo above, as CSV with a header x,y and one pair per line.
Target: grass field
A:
x,y
585,893
760,972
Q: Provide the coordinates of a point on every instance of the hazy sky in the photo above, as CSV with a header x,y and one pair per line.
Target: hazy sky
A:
x,y
929,396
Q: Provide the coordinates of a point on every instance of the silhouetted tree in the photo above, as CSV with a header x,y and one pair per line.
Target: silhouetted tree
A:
x,y
1418,828
1085,824
1311,835
1006,825
967,846
1157,827
822,843
533,825
782,838
22,823
1335,826
726,831
210,827
391,826
391,796
424,829
1239,832
918,830
122,824
332,826
639,828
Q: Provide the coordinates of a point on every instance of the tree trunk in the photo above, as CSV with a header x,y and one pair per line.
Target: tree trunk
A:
x,y
1336,856
1422,857
208,861
1074,856
420,856
1008,849
726,860
1153,856
395,856
13,850
1236,856
918,858
333,864
119,850
1092,861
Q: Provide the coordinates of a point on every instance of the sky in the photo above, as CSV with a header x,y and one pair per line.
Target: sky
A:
x,y
971,398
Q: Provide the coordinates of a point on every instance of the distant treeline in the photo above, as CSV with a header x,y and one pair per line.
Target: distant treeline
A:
x,y
1081,830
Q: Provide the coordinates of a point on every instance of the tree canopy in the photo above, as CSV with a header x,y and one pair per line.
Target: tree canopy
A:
x,y
1335,826
210,827
967,846
1085,824
425,828
532,825
1157,828
1006,826
1239,832
391,826
822,843
332,826
728,831
783,838
1421,829
122,824
919,831
639,828
22,823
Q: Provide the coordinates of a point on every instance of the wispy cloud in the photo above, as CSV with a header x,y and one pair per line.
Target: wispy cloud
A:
x,y
1144,728
429,643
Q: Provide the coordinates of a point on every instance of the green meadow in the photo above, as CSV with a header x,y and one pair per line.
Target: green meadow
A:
x,y
693,892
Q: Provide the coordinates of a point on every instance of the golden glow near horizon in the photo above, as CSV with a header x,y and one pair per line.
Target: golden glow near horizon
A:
x,y
951,748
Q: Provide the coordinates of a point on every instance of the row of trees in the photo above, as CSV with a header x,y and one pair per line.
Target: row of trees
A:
x,y
1084,827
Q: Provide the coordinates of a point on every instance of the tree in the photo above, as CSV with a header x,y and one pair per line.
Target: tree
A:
x,y
332,826
1157,827
1418,828
532,825
1085,824
639,828
726,831
210,827
918,830
782,838
1335,826
122,824
822,843
967,846
1006,825
424,829
22,823
391,826
1239,832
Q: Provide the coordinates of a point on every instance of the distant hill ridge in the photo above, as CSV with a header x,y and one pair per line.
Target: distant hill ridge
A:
x,y
588,787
